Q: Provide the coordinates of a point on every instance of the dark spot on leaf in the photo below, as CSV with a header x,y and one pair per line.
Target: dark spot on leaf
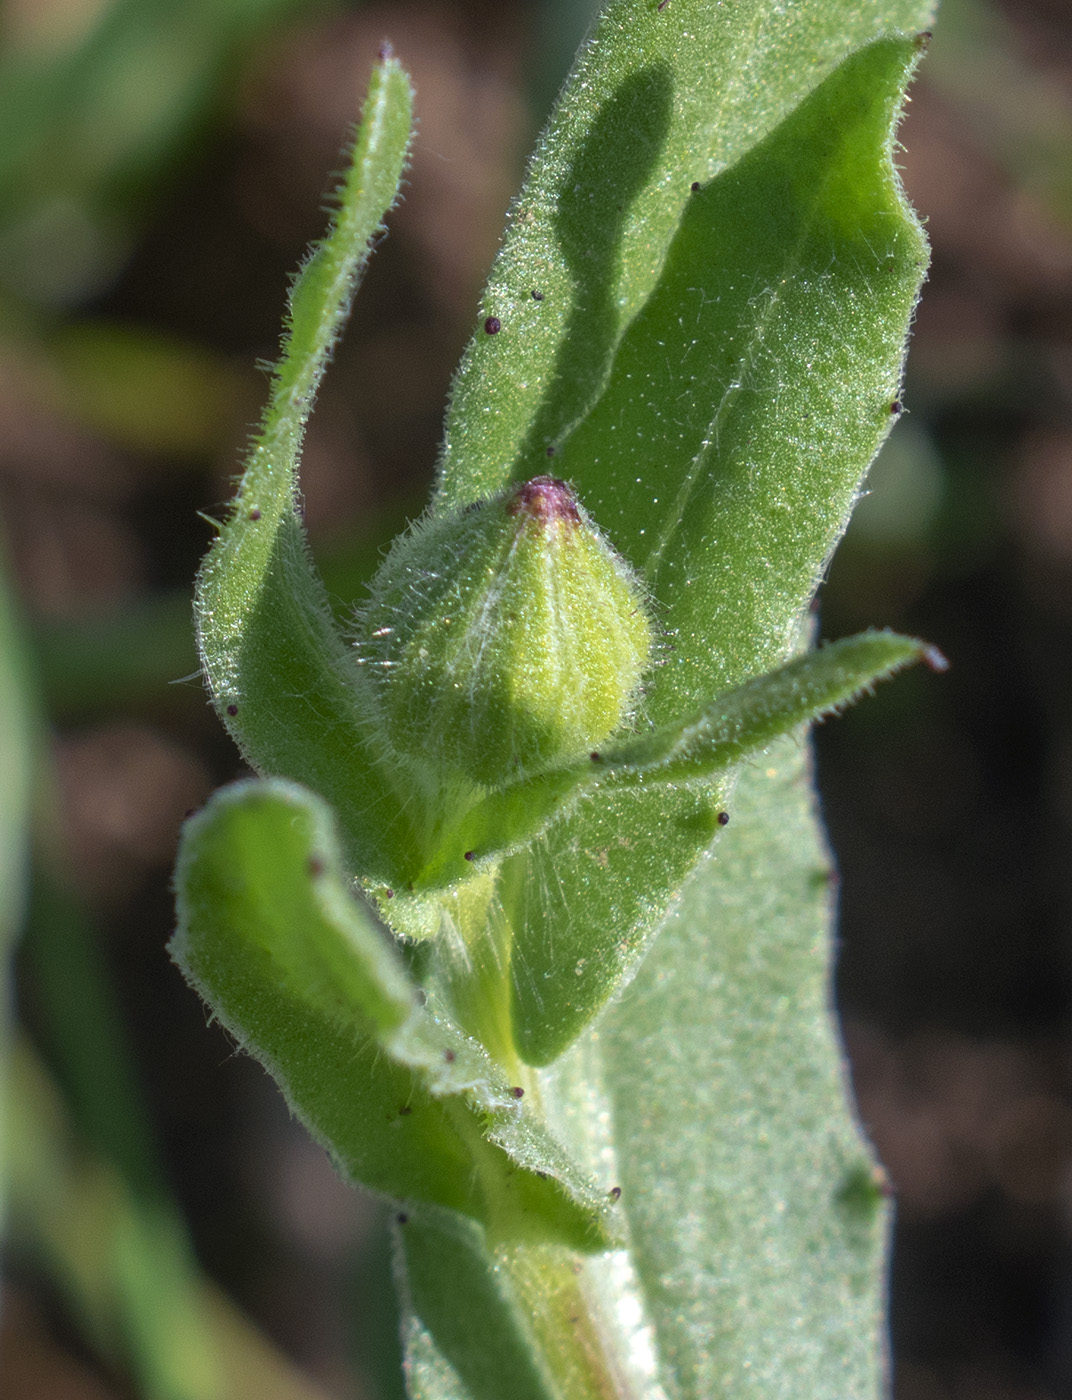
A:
x,y
596,757
922,40
493,325
542,1175
537,296
469,855
316,867
402,1218
723,818
388,894
896,407
232,710
615,1193
518,1092
422,996
551,451
188,813
405,1111
694,186
662,5
448,1055
254,514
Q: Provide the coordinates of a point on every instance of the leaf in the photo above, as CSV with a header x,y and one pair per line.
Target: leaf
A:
x,y
295,968
756,1220
697,750
799,267
575,944
281,676
658,99
714,1091
464,1352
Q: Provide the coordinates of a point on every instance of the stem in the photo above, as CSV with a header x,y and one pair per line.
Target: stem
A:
x,y
589,1353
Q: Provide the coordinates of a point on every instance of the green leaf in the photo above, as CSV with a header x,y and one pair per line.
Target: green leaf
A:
x,y
487,1340
657,100
730,431
585,914
743,720
281,676
271,936
18,738
696,750
756,1221
715,1093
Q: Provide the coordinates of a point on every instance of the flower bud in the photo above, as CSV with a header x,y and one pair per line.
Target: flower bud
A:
x,y
505,636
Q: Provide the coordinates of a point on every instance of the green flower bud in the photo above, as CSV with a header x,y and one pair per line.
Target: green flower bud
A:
x,y
506,636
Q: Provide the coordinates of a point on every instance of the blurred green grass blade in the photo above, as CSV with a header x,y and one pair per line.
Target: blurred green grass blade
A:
x,y
80,1029
757,1227
122,1260
123,1265
273,939
18,734
281,677
92,125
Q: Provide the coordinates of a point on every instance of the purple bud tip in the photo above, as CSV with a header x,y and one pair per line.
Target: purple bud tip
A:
x,y
934,660
493,325
547,499
723,818
232,710
385,51
518,1092
615,1193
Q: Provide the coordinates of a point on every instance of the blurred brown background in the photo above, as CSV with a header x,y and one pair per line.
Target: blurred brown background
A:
x,y
149,218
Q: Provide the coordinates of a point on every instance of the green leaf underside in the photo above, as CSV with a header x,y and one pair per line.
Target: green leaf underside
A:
x,y
280,674
756,1224
298,973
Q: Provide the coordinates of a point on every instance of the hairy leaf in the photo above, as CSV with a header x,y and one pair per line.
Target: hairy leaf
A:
x,y
281,676
295,968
